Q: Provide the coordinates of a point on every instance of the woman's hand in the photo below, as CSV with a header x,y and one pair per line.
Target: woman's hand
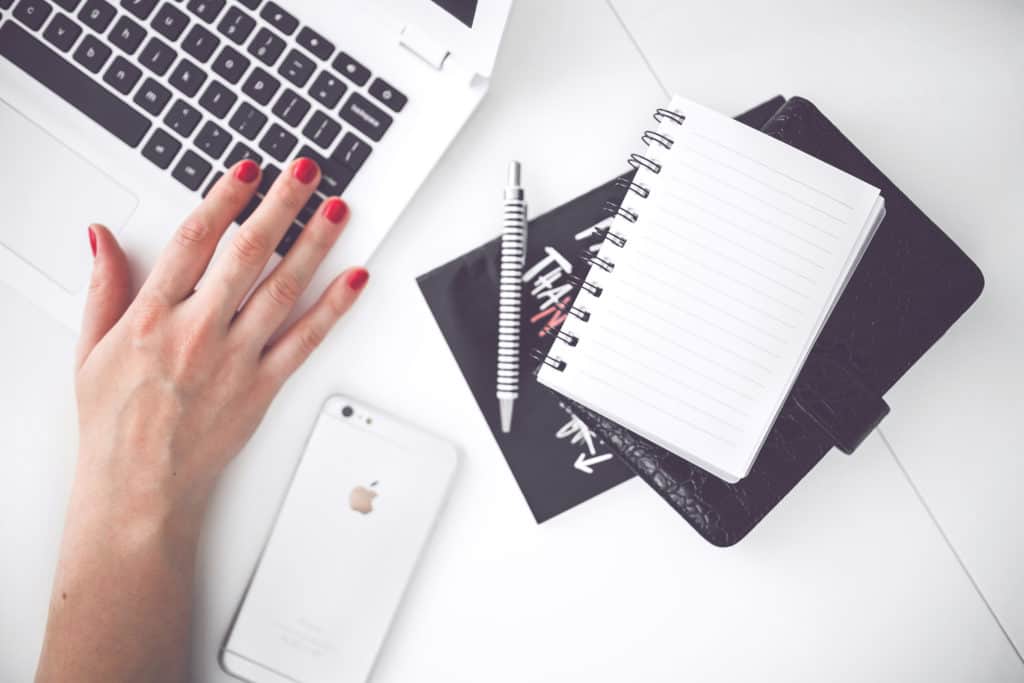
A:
x,y
170,387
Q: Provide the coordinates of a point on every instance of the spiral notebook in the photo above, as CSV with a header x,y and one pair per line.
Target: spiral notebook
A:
x,y
716,277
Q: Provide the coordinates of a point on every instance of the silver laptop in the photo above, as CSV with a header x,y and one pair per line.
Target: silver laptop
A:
x,y
124,112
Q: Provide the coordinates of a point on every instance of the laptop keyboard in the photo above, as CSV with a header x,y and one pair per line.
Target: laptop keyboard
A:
x,y
198,85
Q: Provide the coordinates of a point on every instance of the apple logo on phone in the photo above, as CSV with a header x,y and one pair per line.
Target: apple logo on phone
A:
x,y
361,499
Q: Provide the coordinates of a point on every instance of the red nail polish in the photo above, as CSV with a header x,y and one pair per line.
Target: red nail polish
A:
x,y
358,278
247,171
92,241
335,210
305,170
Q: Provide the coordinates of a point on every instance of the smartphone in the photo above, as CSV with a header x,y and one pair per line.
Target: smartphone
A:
x,y
360,507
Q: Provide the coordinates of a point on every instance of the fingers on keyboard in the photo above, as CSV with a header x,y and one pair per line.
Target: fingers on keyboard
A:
x,y
234,274
275,297
186,258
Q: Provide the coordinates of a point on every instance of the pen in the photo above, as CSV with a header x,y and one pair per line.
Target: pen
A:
x,y
513,256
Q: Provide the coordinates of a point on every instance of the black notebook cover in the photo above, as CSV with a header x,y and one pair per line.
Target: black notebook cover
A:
x,y
556,459
911,286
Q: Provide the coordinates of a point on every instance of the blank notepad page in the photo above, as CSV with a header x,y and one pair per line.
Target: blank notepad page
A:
x,y
724,282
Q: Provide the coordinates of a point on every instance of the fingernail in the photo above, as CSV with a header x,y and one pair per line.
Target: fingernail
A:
x,y
92,241
335,210
247,171
305,170
358,278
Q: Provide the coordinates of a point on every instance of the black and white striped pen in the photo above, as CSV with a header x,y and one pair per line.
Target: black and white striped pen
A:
x,y
513,256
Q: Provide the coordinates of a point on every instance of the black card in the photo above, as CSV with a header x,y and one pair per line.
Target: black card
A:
x,y
556,460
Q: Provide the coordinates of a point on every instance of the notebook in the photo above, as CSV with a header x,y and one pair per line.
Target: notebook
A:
x,y
556,460
717,275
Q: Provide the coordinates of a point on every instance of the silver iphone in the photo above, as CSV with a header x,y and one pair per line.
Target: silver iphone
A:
x,y
361,505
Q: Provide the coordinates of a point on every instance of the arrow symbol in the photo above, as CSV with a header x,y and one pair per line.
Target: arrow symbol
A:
x,y
583,463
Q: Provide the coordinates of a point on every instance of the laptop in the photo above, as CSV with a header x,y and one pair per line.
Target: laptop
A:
x,y
124,112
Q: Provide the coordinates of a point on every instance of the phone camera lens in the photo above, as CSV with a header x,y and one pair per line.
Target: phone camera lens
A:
x,y
347,411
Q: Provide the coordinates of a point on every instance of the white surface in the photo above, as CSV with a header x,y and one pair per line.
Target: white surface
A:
x,y
847,580
931,92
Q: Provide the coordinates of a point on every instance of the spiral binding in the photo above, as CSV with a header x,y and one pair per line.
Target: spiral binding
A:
x,y
632,186
618,210
590,287
547,359
637,162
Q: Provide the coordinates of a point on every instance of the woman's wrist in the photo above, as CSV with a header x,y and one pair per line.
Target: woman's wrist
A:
x,y
141,508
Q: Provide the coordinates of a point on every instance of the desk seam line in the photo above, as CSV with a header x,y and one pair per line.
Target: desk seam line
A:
x,y
639,50
949,545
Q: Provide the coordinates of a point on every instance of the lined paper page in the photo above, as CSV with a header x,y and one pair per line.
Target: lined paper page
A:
x,y
724,283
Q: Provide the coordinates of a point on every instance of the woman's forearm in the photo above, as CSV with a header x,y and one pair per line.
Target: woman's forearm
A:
x,y
122,597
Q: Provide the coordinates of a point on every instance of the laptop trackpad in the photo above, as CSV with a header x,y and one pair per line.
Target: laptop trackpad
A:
x,y
49,196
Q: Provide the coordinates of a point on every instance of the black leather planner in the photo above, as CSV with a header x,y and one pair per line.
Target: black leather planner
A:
x,y
912,284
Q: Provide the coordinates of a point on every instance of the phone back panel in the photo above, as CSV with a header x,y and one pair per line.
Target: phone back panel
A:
x,y
359,510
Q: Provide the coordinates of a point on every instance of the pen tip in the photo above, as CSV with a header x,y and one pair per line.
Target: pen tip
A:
x,y
505,407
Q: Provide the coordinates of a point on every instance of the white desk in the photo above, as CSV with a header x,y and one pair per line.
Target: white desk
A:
x,y
847,580
932,93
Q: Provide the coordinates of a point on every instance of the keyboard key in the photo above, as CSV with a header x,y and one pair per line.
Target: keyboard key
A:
x,y
161,149
383,91
230,64
297,68
236,25
69,83
140,8
247,210
270,175
127,35
69,5
239,152
348,67
200,43
352,152
278,142
97,15
217,99
334,178
170,21
33,13
152,97
62,32
279,19
182,118
216,176
327,90
207,10
365,116
307,211
157,56
266,46
192,170
122,75
294,230
212,139
291,108
261,86
251,4
248,121
321,129
92,54
315,43
188,77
